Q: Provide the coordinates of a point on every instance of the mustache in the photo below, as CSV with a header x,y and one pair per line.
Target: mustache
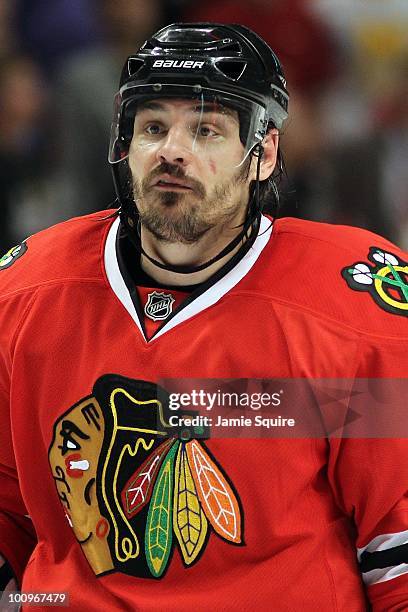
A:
x,y
176,172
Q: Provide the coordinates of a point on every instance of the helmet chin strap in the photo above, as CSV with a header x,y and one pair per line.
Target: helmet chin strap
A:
x,y
252,222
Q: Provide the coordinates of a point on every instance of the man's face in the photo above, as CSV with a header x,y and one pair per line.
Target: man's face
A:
x,y
187,170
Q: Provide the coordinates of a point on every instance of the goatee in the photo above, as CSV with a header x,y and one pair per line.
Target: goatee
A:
x,y
189,215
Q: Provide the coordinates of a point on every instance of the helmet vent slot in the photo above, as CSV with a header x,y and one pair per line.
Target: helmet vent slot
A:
x,y
149,45
231,45
134,65
232,69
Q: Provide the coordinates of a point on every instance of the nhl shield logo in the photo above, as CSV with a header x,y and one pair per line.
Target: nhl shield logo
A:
x,y
159,305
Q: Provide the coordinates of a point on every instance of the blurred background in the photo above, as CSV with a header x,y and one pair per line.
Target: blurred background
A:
x,y
345,144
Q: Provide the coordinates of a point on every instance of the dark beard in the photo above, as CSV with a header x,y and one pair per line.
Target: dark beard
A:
x,y
189,227
186,229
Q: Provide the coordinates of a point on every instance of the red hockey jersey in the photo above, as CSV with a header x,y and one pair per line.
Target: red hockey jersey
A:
x,y
101,500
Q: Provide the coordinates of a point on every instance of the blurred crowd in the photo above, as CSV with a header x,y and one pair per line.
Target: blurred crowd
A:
x,y
345,144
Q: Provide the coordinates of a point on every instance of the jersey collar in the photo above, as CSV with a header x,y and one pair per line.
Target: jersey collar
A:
x,y
198,302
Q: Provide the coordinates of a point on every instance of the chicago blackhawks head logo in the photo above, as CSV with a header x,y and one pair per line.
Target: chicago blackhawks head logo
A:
x,y
132,489
386,280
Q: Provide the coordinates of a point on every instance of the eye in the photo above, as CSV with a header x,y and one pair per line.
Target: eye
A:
x,y
69,432
153,129
206,131
69,443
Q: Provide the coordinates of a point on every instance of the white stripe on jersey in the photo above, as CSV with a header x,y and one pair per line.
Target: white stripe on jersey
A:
x,y
384,574
384,542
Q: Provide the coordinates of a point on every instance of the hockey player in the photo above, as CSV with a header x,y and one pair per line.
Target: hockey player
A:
x,y
102,501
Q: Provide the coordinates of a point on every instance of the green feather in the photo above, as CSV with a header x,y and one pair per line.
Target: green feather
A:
x,y
158,537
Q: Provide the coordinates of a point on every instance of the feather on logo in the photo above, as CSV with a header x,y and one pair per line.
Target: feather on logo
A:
x,y
386,280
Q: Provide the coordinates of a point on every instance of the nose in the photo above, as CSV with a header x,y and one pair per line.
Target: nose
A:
x,y
176,148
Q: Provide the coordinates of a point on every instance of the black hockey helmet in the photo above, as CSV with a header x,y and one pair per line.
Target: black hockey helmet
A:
x,y
229,62
226,65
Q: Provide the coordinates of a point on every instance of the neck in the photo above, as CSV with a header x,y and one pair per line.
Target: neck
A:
x,y
212,243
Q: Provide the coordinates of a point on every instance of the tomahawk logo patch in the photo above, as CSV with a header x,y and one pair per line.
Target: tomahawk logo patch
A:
x,y
386,280
12,255
135,490
159,305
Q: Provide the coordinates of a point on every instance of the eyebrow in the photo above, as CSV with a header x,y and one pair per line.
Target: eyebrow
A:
x,y
150,106
205,108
